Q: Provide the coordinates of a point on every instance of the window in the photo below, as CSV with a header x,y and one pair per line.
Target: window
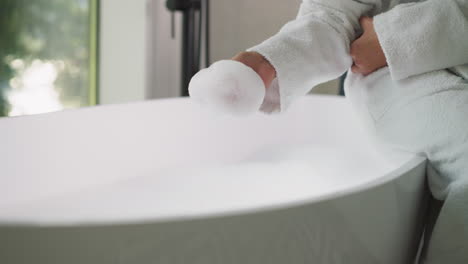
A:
x,y
48,55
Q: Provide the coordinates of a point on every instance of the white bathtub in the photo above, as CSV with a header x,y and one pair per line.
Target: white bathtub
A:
x,y
168,182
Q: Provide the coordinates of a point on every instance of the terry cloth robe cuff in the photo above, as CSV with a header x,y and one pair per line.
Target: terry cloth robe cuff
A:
x,y
303,58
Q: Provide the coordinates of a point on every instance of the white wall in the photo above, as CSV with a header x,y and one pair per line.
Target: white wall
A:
x,y
122,51
164,52
240,24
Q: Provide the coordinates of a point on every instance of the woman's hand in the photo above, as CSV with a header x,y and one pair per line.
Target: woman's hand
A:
x,y
366,51
259,64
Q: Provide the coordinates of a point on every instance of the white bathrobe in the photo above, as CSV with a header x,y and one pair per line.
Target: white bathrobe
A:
x,y
418,104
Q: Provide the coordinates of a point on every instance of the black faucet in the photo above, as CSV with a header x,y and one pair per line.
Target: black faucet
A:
x,y
194,13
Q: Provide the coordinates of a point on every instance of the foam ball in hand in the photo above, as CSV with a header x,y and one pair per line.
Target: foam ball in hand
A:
x,y
228,86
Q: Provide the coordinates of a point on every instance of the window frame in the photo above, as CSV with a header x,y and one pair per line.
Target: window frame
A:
x,y
94,31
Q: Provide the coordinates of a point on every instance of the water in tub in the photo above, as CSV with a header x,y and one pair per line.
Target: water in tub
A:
x,y
272,176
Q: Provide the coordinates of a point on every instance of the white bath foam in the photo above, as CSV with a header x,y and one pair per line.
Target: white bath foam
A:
x,y
228,86
334,165
271,177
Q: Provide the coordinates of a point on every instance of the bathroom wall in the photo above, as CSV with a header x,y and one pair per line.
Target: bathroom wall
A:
x,y
122,51
164,51
238,25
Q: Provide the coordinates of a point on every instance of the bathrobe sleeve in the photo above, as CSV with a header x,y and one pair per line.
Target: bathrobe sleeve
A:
x,y
313,48
424,36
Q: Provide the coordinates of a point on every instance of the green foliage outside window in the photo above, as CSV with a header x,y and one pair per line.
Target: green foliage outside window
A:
x,y
55,38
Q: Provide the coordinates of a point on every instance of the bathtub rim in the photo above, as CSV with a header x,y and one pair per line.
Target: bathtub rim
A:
x,y
412,163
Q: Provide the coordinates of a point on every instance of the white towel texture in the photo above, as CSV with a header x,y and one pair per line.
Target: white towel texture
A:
x,y
418,104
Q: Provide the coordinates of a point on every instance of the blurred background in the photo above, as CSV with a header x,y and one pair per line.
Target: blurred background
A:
x,y
63,54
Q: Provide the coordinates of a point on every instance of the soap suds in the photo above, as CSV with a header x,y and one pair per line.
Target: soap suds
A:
x,y
271,176
228,86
